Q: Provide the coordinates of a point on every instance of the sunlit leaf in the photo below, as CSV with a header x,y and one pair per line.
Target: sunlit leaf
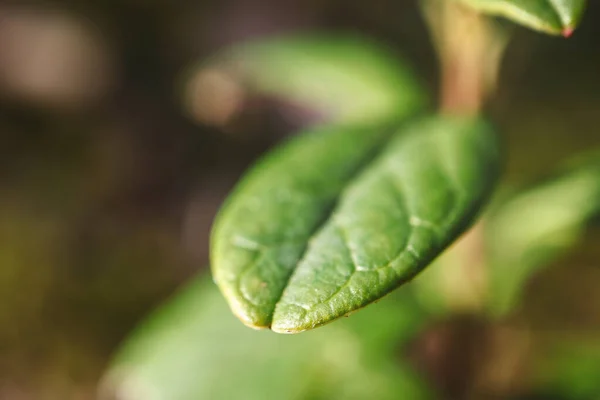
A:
x,y
193,348
338,218
535,226
558,17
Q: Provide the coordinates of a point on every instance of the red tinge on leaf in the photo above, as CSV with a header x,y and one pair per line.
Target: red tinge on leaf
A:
x,y
568,31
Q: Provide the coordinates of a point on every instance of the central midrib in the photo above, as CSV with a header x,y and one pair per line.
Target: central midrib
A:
x,y
330,208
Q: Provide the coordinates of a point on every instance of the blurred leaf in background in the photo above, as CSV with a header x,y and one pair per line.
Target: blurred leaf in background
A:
x,y
344,78
536,225
193,348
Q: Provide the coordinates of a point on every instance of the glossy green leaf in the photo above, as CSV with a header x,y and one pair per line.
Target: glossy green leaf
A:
x,y
537,225
557,17
193,348
338,218
345,78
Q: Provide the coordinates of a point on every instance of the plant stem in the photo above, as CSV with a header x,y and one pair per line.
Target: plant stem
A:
x,y
469,48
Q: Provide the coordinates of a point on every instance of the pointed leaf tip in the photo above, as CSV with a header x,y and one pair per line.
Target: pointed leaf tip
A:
x,y
568,31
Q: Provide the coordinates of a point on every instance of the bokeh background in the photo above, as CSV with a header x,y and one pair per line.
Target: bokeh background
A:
x,y
111,171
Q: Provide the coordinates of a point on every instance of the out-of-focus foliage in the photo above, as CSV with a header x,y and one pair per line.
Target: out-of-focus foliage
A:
x,y
193,348
533,227
346,78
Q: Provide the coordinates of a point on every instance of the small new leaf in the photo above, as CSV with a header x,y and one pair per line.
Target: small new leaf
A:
x,y
338,218
556,17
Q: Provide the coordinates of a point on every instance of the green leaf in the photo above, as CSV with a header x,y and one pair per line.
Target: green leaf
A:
x,y
557,17
347,78
538,224
193,348
338,218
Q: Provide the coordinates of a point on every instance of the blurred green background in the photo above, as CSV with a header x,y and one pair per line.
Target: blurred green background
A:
x,y
112,166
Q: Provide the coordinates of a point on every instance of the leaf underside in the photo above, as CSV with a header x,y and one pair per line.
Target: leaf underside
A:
x,y
338,218
557,17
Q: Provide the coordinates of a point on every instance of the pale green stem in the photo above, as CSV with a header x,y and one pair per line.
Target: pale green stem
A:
x,y
469,47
